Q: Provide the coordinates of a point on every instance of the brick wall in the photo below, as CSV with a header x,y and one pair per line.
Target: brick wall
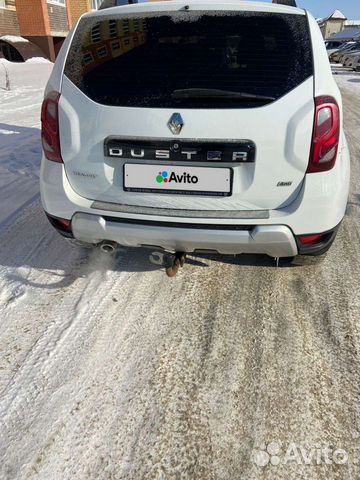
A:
x,y
33,18
58,18
77,8
9,24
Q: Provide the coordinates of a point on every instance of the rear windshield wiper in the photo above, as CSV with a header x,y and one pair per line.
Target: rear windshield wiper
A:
x,y
215,93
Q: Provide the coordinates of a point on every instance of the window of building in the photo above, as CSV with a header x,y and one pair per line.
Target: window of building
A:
x,y
57,2
10,4
88,58
102,52
96,34
96,4
126,25
115,45
113,28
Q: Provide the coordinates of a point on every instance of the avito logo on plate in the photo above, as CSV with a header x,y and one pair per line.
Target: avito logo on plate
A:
x,y
164,177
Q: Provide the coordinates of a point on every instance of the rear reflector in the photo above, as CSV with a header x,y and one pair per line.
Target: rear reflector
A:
x,y
311,239
326,133
50,127
63,223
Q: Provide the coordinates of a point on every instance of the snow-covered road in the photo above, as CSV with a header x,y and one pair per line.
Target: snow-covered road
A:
x,y
109,370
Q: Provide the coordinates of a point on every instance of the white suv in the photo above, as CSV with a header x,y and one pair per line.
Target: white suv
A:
x,y
201,126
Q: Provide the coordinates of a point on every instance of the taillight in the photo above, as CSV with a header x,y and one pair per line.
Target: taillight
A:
x,y
325,141
50,127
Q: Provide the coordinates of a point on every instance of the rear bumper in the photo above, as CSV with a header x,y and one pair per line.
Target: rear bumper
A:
x,y
319,207
273,240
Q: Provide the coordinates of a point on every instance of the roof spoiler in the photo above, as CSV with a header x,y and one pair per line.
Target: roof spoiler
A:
x,y
115,3
289,3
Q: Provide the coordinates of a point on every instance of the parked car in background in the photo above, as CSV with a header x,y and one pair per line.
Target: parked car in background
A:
x,y
333,46
351,59
353,48
334,57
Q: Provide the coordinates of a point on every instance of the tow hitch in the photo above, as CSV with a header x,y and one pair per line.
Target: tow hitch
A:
x,y
171,261
176,261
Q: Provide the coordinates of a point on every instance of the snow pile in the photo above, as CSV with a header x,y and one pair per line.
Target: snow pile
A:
x,y
13,39
38,60
347,79
8,132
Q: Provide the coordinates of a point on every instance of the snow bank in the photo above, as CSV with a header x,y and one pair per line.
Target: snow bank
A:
x,y
20,144
13,38
31,74
38,60
347,79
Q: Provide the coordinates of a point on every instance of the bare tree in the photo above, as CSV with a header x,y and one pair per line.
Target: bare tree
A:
x,y
7,79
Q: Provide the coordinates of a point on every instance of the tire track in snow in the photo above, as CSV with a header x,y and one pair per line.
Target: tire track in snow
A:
x,y
27,394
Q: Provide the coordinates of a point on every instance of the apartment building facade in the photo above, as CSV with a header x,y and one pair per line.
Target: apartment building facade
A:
x,y
45,23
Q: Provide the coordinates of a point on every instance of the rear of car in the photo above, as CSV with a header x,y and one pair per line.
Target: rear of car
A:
x,y
196,127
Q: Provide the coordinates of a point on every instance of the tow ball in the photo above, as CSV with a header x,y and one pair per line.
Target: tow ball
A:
x,y
175,261
171,261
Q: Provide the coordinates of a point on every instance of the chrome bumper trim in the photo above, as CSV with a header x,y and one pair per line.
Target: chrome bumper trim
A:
x,y
172,212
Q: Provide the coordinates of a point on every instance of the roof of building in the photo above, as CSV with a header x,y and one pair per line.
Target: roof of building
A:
x,y
352,23
351,33
336,15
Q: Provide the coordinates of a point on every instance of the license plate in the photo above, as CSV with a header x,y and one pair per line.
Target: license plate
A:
x,y
177,179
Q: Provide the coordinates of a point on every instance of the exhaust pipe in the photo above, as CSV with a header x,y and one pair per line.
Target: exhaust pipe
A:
x,y
107,246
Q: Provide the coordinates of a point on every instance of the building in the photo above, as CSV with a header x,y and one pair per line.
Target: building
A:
x,y
45,23
334,23
351,24
337,27
346,35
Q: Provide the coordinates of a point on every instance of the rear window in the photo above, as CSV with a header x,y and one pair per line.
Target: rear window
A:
x,y
140,61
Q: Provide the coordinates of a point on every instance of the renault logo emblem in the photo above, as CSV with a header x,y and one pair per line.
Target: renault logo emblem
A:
x,y
175,123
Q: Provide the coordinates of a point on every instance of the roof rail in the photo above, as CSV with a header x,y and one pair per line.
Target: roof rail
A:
x,y
290,3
